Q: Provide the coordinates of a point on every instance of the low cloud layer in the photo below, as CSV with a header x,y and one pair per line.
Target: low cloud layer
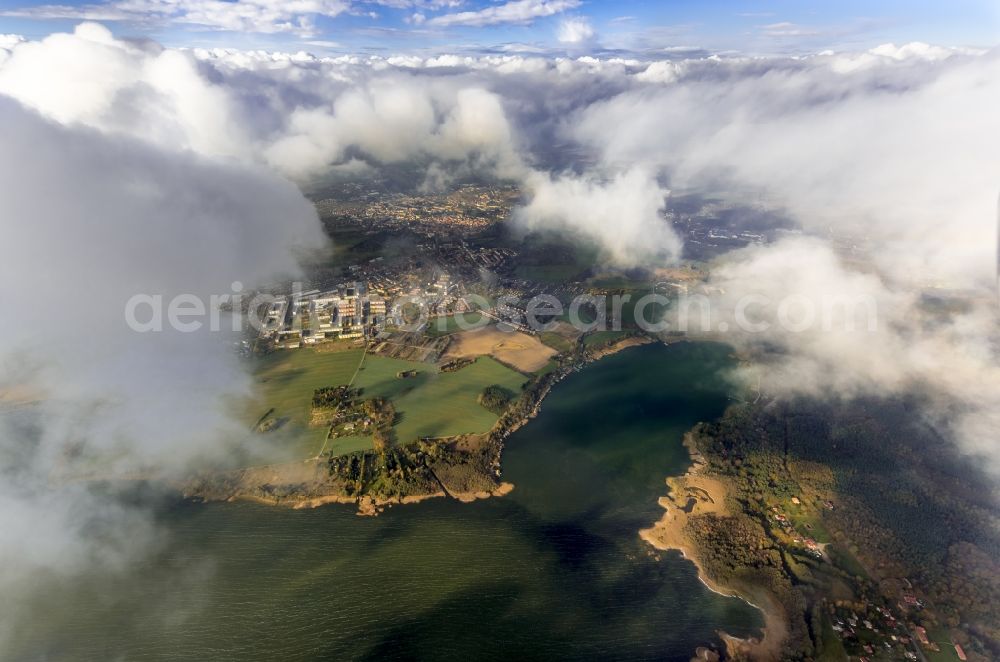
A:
x,y
128,167
621,213
898,148
262,16
822,329
89,220
898,145
894,151
512,11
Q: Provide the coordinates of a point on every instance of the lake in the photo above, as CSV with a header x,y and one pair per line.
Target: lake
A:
x,y
555,570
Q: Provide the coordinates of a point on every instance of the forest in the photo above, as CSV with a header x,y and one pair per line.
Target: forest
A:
x,y
905,512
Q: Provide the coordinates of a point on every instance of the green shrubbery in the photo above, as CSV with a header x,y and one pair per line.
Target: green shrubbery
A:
x,y
495,398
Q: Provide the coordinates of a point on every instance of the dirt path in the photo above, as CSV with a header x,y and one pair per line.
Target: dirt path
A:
x,y
349,384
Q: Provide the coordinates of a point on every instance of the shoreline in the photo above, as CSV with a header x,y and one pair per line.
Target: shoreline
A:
x,y
588,358
706,495
368,505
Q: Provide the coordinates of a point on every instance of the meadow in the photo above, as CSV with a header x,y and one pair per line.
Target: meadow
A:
x,y
600,339
436,404
428,404
557,341
443,326
285,384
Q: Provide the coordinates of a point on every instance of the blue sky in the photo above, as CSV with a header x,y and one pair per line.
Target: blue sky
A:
x,y
641,27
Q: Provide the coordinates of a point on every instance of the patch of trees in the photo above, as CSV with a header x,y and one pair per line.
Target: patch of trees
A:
x,y
390,471
456,364
332,397
495,398
382,413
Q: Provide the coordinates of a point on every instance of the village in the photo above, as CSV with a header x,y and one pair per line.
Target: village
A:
x,y
871,626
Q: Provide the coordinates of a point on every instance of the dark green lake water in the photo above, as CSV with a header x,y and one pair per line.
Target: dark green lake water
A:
x,y
554,570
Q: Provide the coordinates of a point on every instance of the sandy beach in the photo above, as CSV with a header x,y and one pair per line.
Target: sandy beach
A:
x,y
468,497
696,493
624,343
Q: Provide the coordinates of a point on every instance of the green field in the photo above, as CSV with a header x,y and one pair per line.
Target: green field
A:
x,y
557,341
939,636
434,404
431,404
556,273
551,366
442,326
345,445
625,310
353,245
286,381
615,281
651,313
550,258
808,523
602,338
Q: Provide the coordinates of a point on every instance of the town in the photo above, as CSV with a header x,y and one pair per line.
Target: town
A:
x,y
307,318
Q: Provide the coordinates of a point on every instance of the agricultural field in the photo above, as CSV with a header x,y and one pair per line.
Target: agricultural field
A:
x,y
557,341
555,273
550,258
346,445
428,404
523,352
433,404
946,649
285,384
626,311
443,326
600,339
808,522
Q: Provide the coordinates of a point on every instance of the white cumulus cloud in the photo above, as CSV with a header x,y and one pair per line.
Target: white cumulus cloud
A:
x,y
513,11
575,31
